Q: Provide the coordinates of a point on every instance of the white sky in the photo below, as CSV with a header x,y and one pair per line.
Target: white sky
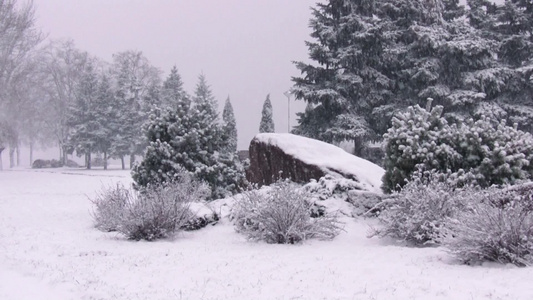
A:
x,y
244,47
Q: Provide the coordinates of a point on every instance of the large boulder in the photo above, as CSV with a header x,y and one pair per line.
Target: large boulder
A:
x,y
282,155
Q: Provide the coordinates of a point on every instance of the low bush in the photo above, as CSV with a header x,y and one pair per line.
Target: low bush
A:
x,y
72,164
482,152
110,207
200,222
54,163
497,226
282,215
344,189
154,212
44,163
418,212
40,163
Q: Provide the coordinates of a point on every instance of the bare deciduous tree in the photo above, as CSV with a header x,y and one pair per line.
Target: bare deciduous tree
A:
x,y
64,65
18,39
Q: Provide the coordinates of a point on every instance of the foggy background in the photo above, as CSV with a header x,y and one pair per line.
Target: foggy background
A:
x,y
244,48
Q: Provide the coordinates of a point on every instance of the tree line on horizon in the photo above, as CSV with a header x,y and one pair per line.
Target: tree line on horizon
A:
x,y
52,93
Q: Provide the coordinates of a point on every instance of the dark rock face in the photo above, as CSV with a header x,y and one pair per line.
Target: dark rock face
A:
x,y
268,163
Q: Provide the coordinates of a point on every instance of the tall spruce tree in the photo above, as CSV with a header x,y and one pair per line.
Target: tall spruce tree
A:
x,y
510,83
229,128
170,136
106,112
375,58
136,80
267,123
347,83
83,115
172,92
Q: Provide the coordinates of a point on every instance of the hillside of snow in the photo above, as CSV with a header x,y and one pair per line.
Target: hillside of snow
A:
x,y
50,250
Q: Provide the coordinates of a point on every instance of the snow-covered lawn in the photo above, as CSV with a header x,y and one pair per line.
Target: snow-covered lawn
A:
x,y
49,250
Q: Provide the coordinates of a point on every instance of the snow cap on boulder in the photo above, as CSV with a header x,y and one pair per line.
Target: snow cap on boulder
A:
x,y
283,155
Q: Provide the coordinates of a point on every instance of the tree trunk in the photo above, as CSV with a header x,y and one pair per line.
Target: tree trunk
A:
x,y
358,146
105,160
11,157
132,160
122,161
63,156
88,160
31,153
18,155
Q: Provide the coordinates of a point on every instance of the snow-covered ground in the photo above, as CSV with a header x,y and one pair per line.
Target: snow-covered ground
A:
x,y
49,250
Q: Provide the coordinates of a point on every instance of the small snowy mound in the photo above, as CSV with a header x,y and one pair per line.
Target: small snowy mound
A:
x,y
302,159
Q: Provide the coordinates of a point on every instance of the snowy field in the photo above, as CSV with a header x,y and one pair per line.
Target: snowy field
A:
x,y
49,250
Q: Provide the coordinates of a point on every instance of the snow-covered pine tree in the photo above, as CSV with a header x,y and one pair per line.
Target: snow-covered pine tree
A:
x,y
172,92
229,128
83,116
134,77
267,123
483,152
126,119
511,82
212,164
188,137
106,113
232,168
375,58
345,84
168,132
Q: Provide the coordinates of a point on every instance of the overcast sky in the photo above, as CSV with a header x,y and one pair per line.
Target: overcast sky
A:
x,y
244,47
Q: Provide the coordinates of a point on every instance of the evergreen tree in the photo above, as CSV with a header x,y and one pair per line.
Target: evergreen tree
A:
x,y
189,137
511,83
172,92
106,115
347,85
375,58
136,80
229,128
128,119
83,115
483,152
267,123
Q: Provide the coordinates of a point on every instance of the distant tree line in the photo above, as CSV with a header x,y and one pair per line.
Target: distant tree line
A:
x,y
52,93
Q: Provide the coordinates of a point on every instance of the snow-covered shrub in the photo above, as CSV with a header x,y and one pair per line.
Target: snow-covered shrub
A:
x,y
484,152
343,189
160,210
201,220
419,211
154,212
110,204
497,226
282,215
178,143
417,137
327,186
